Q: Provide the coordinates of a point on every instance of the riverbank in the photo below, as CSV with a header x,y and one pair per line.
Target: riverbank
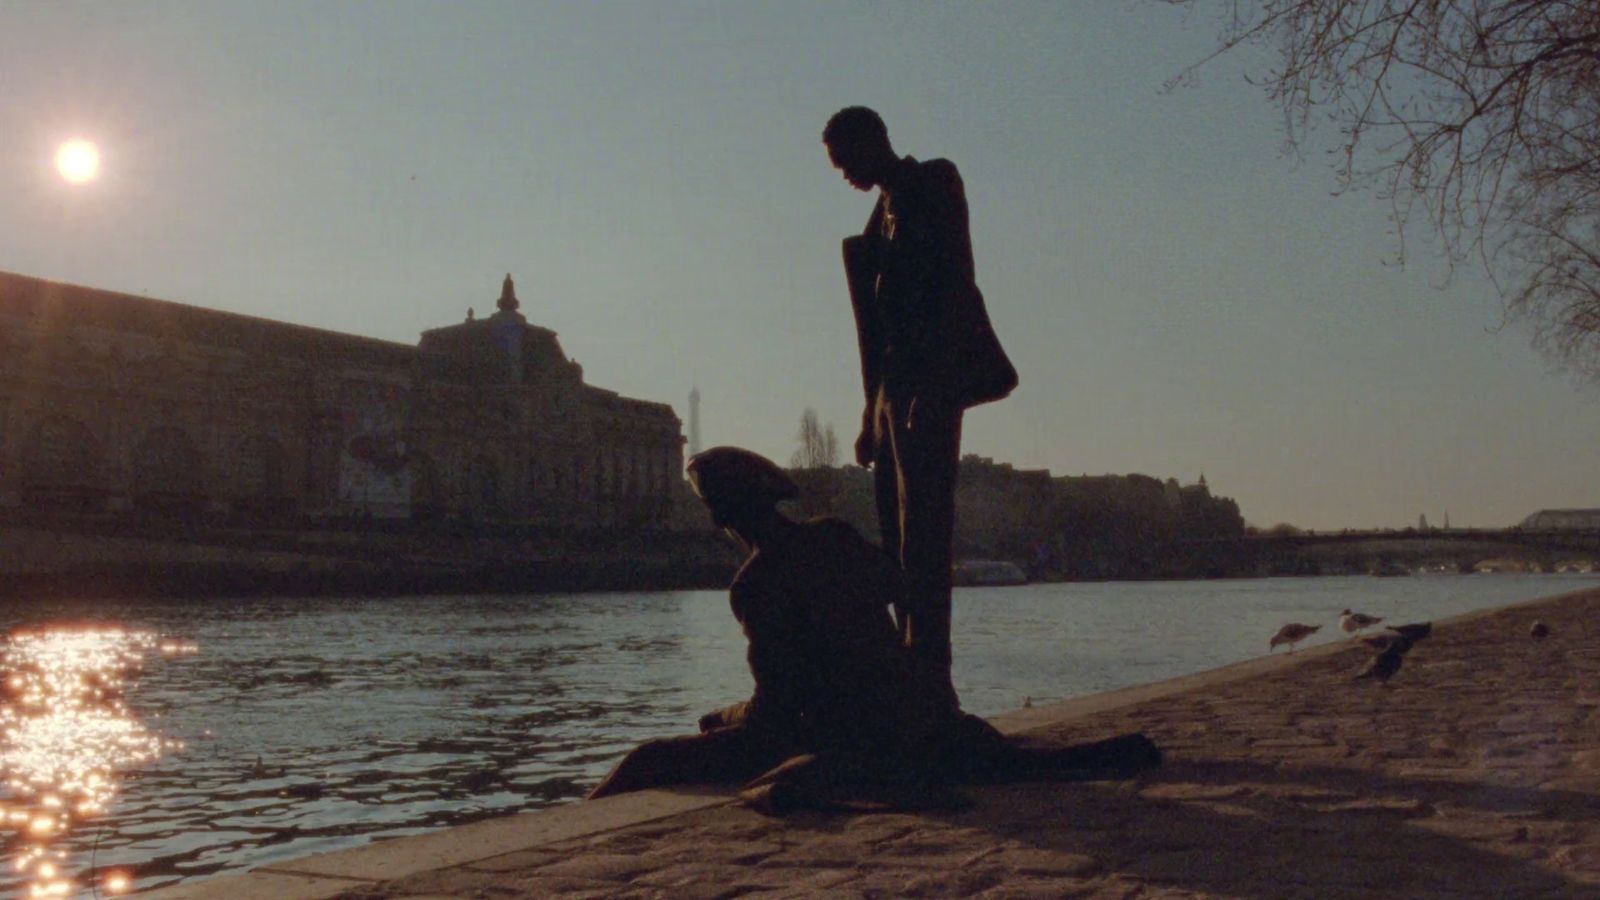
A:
x,y
168,559
1474,773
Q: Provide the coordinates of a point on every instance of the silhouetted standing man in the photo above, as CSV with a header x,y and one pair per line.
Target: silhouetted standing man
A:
x,y
927,354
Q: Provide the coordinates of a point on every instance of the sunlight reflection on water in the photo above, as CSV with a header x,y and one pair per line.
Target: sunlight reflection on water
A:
x,y
65,735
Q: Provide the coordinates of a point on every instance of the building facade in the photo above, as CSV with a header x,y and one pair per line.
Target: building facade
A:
x,y
112,403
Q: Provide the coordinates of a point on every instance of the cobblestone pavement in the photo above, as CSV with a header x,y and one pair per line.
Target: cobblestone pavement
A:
x,y
1475,772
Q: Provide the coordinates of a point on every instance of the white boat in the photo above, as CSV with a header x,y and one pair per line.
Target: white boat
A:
x,y
987,573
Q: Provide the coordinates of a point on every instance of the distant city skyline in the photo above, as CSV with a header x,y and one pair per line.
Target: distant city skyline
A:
x,y
1179,297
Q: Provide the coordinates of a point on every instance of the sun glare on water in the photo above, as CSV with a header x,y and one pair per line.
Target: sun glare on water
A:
x,y
66,735
78,161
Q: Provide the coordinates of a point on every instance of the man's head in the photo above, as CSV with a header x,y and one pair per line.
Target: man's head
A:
x,y
739,487
858,145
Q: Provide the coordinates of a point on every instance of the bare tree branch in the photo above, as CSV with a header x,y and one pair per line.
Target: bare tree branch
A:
x,y
819,448
1480,117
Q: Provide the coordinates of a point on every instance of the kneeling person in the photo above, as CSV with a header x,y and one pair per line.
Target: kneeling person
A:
x,y
838,700
830,675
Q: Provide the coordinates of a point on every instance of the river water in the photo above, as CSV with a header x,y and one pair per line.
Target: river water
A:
x,y
146,743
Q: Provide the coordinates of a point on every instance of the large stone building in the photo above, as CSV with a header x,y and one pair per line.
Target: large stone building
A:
x,y
111,403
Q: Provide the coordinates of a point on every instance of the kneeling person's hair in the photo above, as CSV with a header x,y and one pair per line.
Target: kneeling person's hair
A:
x,y
735,483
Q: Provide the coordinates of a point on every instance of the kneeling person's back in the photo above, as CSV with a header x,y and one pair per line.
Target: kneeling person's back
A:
x,y
824,650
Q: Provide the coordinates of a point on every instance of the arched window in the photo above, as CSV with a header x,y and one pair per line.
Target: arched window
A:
x,y
61,452
483,488
260,468
427,488
165,462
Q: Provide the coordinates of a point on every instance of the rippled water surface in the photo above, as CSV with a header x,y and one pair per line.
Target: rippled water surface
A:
x,y
148,743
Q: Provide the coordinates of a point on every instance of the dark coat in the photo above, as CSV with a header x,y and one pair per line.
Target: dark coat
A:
x,y
823,649
921,320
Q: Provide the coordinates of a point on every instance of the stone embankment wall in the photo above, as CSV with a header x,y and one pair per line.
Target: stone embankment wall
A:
x,y
40,561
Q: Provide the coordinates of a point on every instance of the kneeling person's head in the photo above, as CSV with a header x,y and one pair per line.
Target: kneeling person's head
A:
x,y
739,487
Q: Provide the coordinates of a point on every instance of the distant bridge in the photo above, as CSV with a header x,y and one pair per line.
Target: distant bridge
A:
x,y
1464,549
1525,537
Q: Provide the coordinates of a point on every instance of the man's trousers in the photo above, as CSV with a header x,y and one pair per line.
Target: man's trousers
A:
x,y
918,451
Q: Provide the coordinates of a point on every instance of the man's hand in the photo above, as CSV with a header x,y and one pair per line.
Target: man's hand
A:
x,y
866,444
725,718
866,449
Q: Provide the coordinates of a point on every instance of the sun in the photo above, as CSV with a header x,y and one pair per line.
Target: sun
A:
x,y
78,161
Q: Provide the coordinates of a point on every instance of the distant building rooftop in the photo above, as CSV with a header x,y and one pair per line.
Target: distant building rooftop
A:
x,y
1563,518
54,306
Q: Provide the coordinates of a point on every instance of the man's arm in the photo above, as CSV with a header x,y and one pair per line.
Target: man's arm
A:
x,y
952,232
937,241
955,353
863,260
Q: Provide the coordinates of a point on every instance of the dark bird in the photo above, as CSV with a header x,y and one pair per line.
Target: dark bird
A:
x,y
261,770
1291,634
1352,622
1383,641
1387,662
1539,631
1413,632
1392,649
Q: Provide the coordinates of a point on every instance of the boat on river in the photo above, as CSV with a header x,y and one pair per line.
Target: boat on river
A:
x,y
988,573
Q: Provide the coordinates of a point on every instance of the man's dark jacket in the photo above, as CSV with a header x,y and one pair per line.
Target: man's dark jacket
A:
x,y
920,317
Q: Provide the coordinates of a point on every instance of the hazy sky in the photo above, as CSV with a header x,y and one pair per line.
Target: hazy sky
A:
x,y
1178,295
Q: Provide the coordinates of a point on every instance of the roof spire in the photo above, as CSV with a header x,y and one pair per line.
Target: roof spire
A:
x,y
508,295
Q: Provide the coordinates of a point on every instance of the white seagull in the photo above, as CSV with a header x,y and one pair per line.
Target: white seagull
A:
x,y
1352,622
1291,634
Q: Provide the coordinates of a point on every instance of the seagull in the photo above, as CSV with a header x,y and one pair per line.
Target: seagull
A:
x,y
1291,634
1539,631
1413,632
1352,622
